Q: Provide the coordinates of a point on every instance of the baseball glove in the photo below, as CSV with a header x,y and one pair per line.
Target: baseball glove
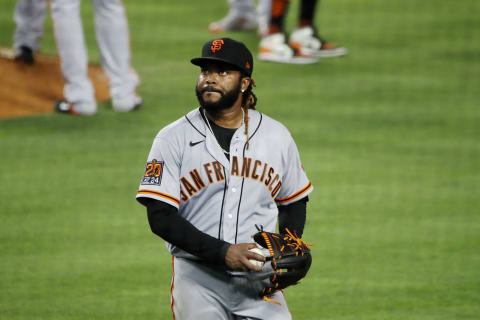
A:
x,y
290,258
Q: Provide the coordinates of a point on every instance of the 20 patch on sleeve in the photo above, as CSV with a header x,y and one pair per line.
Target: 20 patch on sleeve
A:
x,y
153,173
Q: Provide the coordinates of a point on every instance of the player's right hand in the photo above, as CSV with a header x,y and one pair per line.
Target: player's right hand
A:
x,y
237,257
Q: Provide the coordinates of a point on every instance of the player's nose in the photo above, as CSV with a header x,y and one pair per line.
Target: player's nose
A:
x,y
211,78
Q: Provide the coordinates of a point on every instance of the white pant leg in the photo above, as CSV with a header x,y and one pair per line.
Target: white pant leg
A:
x,y
264,7
113,40
29,16
73,54
264,12
242,7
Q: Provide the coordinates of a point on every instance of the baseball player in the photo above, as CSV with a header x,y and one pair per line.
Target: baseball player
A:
x,y
113,41
210,178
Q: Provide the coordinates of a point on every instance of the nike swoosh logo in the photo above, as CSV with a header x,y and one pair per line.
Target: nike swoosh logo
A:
x,y
195,143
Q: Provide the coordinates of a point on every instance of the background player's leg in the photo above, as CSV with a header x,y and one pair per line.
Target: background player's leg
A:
x,y
73,55
29,16
274,46
241,16
240,7
264,9
306,36
113,40
307,12
279,10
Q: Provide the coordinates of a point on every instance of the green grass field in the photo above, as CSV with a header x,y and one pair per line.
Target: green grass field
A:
x,y
389,136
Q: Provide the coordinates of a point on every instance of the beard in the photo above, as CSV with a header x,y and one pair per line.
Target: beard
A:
x,y
227,99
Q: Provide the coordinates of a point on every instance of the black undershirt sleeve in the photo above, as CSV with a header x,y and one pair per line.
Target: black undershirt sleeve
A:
x,y
293,217
165,222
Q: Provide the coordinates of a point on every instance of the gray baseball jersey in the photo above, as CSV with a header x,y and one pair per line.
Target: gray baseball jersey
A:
x,y
187,169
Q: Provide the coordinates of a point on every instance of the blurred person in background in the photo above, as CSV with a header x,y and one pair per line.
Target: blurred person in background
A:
x,y
303,46
29,16
113,40
111,29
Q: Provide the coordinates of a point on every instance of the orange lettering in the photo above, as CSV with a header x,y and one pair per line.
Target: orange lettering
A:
x,y
263,173
217,167
276,189
188,186
234,166
254,171
270,172
183,196
149,170
246,167
157,169
197,179
273,181
209,172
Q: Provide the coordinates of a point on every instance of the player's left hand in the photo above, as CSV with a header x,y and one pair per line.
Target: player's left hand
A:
x,y
237,257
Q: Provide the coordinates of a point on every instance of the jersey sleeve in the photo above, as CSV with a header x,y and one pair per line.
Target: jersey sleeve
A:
x,y
295,184
160,179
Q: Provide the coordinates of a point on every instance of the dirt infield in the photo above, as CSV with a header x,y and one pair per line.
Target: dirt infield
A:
x,y
31,89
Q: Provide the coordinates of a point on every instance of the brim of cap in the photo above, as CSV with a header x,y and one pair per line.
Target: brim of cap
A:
x,y
201,61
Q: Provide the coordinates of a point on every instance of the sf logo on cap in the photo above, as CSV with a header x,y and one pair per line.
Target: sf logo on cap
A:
x,y
216,45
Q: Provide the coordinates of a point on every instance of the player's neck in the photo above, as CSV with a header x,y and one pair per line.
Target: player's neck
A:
x,y
228,118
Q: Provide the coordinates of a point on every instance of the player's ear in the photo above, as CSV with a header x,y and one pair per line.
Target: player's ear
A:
x,y
246,83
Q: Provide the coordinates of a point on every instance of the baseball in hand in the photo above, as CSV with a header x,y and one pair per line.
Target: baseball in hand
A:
x,y
256,263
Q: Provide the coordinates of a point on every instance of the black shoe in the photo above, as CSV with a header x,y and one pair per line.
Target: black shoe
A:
x,y
25,55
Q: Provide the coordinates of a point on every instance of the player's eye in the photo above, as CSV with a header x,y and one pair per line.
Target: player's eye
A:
x,y
223,72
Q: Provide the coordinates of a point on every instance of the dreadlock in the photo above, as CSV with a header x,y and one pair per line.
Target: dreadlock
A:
x,y
249,101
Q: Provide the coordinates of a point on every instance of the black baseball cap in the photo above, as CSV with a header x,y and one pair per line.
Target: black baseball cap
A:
x,y
228,51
